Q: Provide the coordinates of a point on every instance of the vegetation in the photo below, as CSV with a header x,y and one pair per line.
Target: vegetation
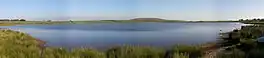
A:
x,y
15,44
189,51
247,45
252,21
135,52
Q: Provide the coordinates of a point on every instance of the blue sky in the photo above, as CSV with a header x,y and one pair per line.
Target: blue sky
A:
x,y
127,9
31,8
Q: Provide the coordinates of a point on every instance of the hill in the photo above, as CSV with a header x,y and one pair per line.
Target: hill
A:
x,y
147,19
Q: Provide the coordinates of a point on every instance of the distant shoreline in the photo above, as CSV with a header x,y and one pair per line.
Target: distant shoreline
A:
x,y
11,23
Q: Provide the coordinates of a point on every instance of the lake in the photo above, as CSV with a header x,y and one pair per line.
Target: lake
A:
x,y
104,35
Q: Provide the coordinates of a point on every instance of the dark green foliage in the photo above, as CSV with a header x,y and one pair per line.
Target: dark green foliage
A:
x,y
256,53
48,20
14,20
241,20
252,21
252,32
231,54
248,45
4,20
22,20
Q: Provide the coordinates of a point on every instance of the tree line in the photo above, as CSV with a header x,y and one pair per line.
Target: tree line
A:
x,y
12,19
254,19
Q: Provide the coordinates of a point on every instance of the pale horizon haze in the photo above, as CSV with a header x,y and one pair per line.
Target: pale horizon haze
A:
x,y
128,9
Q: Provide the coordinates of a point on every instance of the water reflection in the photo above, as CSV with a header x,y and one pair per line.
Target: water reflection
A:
x,y
101,35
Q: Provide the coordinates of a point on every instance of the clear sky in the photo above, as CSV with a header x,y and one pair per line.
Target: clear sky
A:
x,y
127,9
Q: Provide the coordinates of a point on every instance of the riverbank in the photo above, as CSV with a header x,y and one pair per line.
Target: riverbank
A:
x,y
16,44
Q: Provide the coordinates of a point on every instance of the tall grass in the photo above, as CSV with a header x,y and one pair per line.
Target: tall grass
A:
x,y
135,52
189,51
180,55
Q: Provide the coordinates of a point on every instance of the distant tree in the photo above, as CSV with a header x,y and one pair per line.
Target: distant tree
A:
x,y
262,19
71,21
258,19
14,19
240,19
247,19
4,19
22,20
49,21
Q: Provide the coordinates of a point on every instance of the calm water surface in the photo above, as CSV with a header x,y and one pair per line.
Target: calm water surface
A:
x,y
102,35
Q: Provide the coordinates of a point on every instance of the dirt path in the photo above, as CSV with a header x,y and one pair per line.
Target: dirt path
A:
x,y
211,50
